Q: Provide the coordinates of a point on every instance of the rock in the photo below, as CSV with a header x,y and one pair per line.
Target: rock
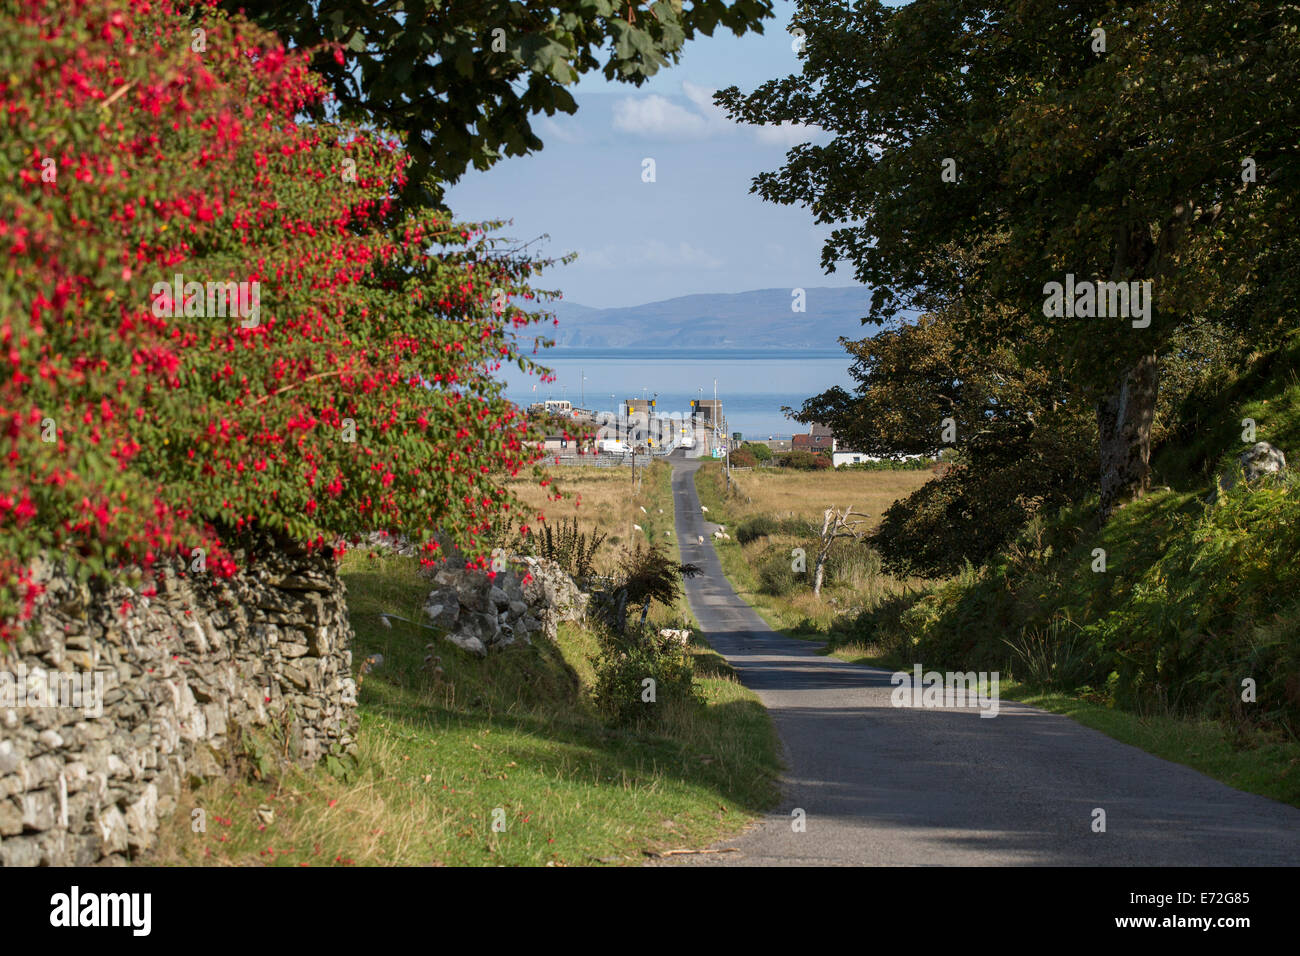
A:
x,y
156,683
9,760
529,597
1262,459
443,608
1259,461
21,851
113,833
467,643
11,819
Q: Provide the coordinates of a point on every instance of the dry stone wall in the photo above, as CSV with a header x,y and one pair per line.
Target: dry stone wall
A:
x,y
153,687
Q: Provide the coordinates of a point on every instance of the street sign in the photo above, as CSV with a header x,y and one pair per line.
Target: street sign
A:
x,y
719,453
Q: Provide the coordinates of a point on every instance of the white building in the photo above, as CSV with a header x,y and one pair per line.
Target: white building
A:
x,y
856,458
850,458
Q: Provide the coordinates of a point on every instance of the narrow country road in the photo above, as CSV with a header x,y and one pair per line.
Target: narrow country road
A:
x,y
881,785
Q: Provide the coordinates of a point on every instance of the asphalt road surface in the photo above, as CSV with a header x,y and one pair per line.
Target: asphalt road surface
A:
x,y
885,785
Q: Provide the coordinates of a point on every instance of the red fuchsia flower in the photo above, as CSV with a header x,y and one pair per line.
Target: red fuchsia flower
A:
x,y
181,426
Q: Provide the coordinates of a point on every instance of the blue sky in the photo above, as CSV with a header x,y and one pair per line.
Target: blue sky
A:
x,y
696,228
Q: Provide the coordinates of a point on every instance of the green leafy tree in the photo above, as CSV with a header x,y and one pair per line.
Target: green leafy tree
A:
x,y
920,389
463,80
1162,149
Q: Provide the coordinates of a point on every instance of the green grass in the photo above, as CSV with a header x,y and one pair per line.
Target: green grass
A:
x,y
512,738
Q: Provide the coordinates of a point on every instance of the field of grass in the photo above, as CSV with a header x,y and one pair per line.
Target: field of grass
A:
x,y
855,580
512,740
606,500
788,493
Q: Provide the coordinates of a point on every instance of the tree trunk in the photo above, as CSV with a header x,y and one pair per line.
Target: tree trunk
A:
x,y
822,552
1124,431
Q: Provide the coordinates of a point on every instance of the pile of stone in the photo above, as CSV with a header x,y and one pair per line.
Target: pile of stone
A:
x,y
479,613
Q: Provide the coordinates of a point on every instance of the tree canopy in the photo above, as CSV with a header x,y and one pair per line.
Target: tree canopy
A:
x,y
462,81
1133,142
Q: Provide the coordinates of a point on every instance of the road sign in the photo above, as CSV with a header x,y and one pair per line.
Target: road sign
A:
x,y
719,453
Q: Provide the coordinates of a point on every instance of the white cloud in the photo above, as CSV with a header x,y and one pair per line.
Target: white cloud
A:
x,y
566,132
786,134
655,115
702,97
680,255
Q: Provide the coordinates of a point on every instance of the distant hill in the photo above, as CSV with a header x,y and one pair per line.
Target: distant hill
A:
x,y
761,319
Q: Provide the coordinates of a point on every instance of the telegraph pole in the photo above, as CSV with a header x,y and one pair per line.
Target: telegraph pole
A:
x,y
726,462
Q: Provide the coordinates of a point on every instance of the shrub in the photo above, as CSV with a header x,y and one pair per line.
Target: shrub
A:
x,y
805,461
852,563
743,458
630,658
891,464
644,575
775,575
759,526
568,546
358,397
1053,657
1006,475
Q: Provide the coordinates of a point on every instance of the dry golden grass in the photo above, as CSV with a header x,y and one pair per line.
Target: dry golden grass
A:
x,y
607,501
806,495
785,493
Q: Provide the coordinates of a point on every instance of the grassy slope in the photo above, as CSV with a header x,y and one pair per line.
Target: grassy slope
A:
x,y
516,732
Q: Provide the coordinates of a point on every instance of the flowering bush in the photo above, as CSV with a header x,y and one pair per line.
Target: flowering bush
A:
x,y
215,318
